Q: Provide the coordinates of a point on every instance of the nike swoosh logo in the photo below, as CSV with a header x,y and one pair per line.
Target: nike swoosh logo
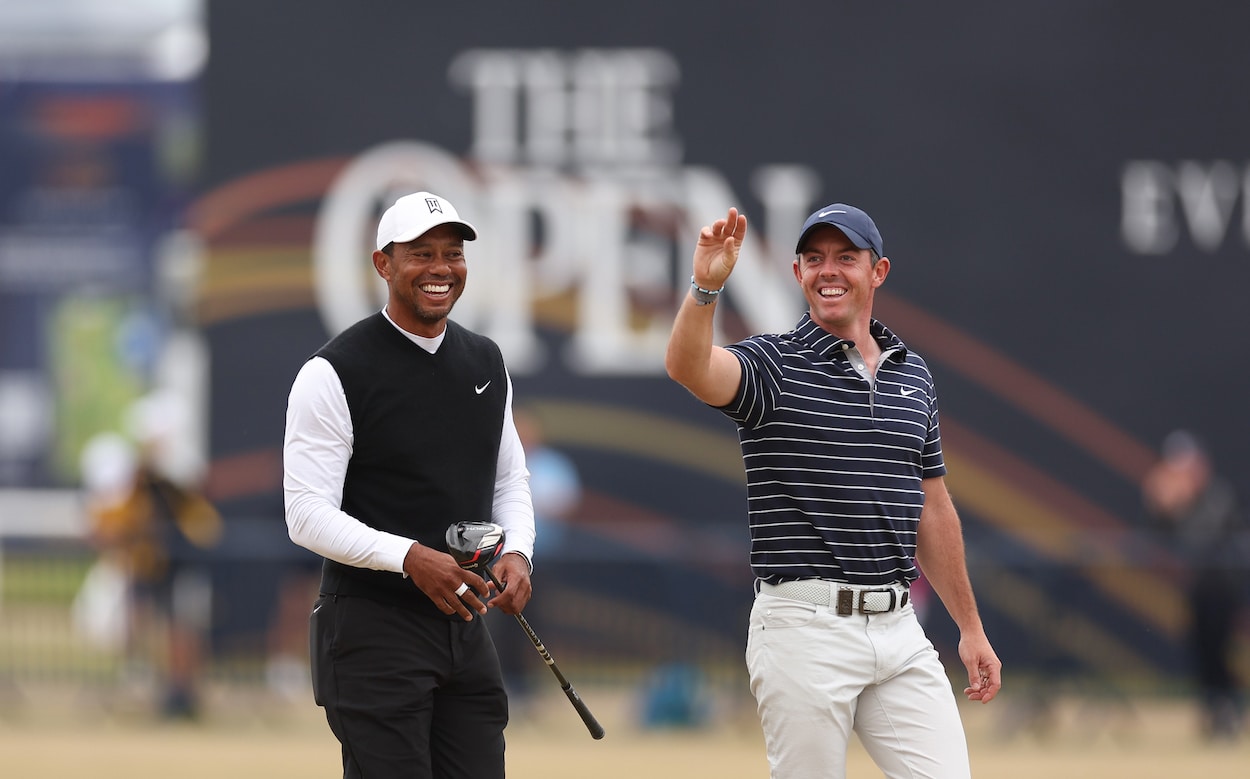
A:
x,y
481,389
908,391
827,213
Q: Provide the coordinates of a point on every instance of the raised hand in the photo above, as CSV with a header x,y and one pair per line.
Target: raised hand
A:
x,y
717,250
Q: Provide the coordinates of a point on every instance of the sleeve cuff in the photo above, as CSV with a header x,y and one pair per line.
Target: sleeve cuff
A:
x,y
524,557
391,552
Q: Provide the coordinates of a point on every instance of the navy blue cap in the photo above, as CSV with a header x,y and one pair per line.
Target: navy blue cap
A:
x,y
854,223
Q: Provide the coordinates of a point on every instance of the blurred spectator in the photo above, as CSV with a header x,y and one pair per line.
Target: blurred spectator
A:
x,y
556,489
555,485
287,672
1199,514
676,696
152,528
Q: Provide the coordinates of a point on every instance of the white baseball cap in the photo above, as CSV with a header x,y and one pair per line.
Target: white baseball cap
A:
x,y
412,215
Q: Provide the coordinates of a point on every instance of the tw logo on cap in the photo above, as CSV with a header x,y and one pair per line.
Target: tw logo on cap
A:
x,y
434,204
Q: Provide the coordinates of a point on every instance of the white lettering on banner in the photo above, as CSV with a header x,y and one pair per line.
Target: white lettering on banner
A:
x,y
588,199
591,107
1158,198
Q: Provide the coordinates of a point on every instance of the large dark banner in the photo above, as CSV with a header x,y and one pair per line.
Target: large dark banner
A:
x,y
1062,188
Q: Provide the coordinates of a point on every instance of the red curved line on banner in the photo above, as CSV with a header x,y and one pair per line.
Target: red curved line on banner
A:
x,y
1015,384
241,198
244,474
1078,511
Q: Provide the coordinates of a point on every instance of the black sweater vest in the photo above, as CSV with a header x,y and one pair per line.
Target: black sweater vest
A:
x,y
426,431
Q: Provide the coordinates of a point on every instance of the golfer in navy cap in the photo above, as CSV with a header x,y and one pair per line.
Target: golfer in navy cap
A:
x,y
847,504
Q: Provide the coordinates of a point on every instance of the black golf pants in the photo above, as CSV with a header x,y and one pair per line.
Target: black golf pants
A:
x,y
408,695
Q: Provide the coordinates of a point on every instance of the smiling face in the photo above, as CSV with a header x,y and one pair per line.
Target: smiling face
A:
x,y
425,277
838,281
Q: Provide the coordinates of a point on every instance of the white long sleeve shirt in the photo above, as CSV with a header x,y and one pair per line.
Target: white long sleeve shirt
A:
x,y
316,452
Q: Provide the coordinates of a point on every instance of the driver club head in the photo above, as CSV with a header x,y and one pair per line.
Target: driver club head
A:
x,y
475,545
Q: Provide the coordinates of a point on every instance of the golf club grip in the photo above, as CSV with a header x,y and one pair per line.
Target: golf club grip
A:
x,y
583,711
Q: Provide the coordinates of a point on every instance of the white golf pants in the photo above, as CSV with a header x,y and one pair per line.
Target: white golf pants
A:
x,y
818,676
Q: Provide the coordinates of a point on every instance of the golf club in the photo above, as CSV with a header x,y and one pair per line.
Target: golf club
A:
x,y
475,545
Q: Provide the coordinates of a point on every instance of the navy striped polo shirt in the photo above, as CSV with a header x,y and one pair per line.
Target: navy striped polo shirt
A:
x,y
834,463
